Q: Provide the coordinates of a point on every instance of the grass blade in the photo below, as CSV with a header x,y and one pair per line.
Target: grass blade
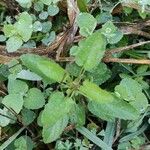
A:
x,y
93,138
109,133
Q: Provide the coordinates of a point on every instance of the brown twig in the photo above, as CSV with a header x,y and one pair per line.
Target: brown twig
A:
x,y
125,48
126,61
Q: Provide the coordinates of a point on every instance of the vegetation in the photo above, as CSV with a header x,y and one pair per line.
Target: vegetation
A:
x,y
74,75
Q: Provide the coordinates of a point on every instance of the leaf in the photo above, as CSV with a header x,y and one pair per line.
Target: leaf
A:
x,y
34,99
77,115
4,72
37,26
52,133
47,69
82,5
99,74
25,3
38,6
47,2
53,10
24,26
104,104
4,121
73,69
57,108
43,15
13,43
13,101
91,51
9,30
2,38
92,137
111,32
28,116
17,87
131,91
24,143
28,75
11,139
87,23
109,133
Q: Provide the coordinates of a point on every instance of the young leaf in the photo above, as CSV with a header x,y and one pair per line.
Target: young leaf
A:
x,y
47,69
13,43
57,107
87,23
13,101
131,91
34,99
91,51
103,103
52,133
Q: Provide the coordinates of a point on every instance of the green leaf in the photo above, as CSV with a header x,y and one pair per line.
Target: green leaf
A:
x,y
28,116
17,87
131,91
13,43
91,51
4,121
37,26
46,68
87,23
53,10
99,74
46,2
46,26
2,38
24,26
28,75
112,33
38,6
43,15
25,3
34,99
73,69
52,133
4,72
13,101
9,30
77,115
57,108
24,143
82,5
104,104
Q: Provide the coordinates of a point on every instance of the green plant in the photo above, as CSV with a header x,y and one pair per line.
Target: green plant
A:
x,y
82,104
